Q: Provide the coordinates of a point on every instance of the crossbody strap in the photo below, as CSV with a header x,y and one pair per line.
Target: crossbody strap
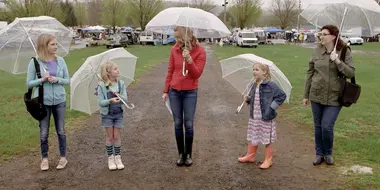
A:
x,y
40,87
343,59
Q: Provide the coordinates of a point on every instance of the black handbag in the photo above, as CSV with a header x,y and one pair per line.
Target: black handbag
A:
x,y
35,106
349,91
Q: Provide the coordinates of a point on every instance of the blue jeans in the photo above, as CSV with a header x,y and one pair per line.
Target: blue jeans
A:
x,y
58,112
324,121
183,104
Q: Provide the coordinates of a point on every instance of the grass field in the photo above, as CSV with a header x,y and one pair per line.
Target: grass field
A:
x,y
357,131
19,131
370,46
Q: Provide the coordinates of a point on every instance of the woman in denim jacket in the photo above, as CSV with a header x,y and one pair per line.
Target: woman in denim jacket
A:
x,y
54,76
264,98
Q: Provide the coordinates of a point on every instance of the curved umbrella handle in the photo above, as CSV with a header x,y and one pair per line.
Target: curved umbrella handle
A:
x,y
184,73
132,106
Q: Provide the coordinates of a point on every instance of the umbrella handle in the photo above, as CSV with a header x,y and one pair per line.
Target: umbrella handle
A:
x,y
184,73
126,105
239,108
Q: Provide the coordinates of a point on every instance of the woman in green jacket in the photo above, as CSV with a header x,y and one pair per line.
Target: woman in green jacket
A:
x,y
322,89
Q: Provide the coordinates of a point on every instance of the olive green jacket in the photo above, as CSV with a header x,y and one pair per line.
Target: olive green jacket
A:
x,y
322,84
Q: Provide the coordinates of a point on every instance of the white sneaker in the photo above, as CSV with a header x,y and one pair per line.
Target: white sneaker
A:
x,y
44,164
62,163
118,162
111,163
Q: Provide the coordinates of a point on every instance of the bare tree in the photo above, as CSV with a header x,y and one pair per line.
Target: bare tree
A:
x,y
94,12
29,8
285,12
142,11
113,13
81,13
245,12
206,5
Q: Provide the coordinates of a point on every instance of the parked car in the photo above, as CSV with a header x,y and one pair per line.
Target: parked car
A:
x,y
117,41
353,40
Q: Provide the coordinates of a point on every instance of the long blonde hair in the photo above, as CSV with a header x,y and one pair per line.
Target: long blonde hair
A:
x,y
105,70
42,46
190,41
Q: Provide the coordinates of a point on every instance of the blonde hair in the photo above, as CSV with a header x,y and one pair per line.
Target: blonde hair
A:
x,y
265,68
105,70
42,46
191,40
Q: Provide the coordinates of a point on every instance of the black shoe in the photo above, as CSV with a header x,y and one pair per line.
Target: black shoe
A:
x,y
181,147
181,160
318,160
329,160
188,161
188,150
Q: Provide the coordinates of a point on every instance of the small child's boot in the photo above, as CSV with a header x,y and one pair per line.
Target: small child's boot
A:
x,y
268,158
250,156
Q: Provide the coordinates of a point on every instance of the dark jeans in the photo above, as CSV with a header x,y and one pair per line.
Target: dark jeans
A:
x,y
324,121
183,104
58,112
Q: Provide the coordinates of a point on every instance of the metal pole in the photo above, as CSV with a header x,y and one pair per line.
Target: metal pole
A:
x,y
225,11
299,12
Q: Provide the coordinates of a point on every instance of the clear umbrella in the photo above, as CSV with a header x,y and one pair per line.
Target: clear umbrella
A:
x,y
85,81
363,14
18,41
204,24
238,71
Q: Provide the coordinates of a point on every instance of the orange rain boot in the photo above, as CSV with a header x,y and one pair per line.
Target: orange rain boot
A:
x,y
250,156
268,158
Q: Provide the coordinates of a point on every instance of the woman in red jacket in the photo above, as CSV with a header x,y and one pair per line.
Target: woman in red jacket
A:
x,y
182,90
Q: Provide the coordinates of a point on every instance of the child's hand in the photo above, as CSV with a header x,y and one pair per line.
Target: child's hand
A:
x,y
114,100
246,99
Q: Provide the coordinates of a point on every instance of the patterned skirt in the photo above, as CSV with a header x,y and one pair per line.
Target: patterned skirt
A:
x,y
259,131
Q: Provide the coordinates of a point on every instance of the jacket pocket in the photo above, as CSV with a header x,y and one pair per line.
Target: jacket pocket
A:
x,y
269,114
315,89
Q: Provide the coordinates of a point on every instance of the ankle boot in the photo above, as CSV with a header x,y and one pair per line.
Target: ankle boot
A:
x,y
250,156
268,158
180,147
188,151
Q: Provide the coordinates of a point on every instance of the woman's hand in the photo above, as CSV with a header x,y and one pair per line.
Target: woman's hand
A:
x,y
334,57
305,101
186,55
164,96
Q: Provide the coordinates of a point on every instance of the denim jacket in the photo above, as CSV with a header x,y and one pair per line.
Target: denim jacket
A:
x,y
271,97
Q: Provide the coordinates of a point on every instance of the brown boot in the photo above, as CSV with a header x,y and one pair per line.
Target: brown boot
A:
x,y
268,158
250,156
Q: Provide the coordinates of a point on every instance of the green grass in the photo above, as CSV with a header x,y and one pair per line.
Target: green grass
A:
x,y
356,132
367,46
19,132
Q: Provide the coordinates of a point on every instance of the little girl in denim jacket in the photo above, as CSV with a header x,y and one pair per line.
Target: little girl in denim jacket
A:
x,y
263,99
111,109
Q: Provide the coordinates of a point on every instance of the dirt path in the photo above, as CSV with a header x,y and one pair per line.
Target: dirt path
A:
x,y
149,148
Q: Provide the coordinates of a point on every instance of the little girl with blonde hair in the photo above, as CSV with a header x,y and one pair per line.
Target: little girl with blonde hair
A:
x,y
110,90
263,99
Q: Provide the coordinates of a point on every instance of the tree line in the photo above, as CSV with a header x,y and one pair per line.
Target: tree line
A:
x,y
137,13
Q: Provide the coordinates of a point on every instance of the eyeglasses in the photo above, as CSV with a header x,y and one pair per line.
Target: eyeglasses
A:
x,y
323,34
